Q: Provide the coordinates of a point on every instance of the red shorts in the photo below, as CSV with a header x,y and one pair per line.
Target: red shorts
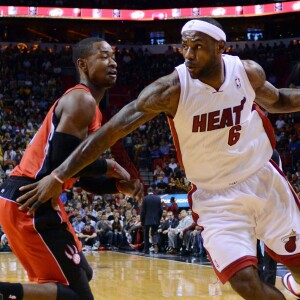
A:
x,y
45,243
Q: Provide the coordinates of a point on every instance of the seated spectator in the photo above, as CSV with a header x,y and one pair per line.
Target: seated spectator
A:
x,y
155,152
178,237
166,169
164,148
117,229
196,242
104,232
161,185
88,219
9,170
156,172
80,208
88,237
280,123
109,213
173,165
143,157
136,233
169,223
78,224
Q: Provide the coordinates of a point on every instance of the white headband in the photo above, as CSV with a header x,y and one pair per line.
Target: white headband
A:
x,y
207,28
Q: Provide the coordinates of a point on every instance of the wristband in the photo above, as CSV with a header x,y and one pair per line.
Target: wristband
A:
x,y
57,178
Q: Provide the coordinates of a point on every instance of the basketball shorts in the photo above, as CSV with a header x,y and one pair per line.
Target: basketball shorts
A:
x,y
45,242
261,207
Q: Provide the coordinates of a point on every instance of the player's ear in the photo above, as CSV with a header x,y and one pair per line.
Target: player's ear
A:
x,y
81,64
221,46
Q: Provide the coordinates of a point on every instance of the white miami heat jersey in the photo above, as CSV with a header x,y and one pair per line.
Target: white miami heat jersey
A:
x,y
222,137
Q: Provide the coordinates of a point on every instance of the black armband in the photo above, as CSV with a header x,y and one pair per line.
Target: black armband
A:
x,y
99,185
63,145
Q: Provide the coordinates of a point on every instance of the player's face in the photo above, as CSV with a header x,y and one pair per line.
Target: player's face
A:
x,y
102,67
200,53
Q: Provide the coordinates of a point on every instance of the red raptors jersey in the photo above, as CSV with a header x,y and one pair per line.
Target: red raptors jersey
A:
x,y
35,162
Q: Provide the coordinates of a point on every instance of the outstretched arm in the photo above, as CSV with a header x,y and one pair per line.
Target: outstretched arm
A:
x,y
270,98
160,96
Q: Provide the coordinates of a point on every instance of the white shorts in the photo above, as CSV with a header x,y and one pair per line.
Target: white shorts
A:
x,y
261,207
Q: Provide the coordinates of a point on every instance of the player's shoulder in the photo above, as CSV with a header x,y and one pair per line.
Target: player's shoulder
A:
x,y
255,72
170,80
80,97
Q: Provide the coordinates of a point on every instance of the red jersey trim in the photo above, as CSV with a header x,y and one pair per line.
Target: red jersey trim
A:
x,y
291,188
176,141
190,200
287,260
267,125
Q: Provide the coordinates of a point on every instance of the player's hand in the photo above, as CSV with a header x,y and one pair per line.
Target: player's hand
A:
x,y
40,192
133,188
114,170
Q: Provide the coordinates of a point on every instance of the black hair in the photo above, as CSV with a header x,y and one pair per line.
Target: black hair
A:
x,y
84,48
211,21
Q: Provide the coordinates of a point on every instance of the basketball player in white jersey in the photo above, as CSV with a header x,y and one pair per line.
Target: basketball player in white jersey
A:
x,y
224,144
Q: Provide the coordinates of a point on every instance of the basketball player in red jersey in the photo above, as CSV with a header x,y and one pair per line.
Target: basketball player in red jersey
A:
x,y
45,242
225,144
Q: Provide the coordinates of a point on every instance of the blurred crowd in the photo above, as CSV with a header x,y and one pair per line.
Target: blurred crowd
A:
x,y
31,79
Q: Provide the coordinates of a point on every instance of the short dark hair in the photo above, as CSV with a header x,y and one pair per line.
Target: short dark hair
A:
x,y
150,190
211,21
84,48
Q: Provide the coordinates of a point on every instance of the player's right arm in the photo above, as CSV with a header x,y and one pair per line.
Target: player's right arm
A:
x,y
160,96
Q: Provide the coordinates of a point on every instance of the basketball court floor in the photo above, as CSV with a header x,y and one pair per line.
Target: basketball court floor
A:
x,y
134,276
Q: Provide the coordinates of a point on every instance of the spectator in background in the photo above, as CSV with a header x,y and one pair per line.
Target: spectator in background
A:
x,y
9,170
173,165
136,233
280,123
174,207
167,170
196,242
169,223
78,224
117,230
4,246
178,237
151,214
104,232
88,237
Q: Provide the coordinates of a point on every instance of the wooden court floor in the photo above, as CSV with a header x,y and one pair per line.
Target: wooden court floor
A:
x,y
119,276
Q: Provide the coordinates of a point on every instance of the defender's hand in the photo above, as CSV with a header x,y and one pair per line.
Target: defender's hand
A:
x,y
114,170
133,188
40,192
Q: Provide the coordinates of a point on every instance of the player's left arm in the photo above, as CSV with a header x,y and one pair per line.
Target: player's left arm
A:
x,y
284,100
160,96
